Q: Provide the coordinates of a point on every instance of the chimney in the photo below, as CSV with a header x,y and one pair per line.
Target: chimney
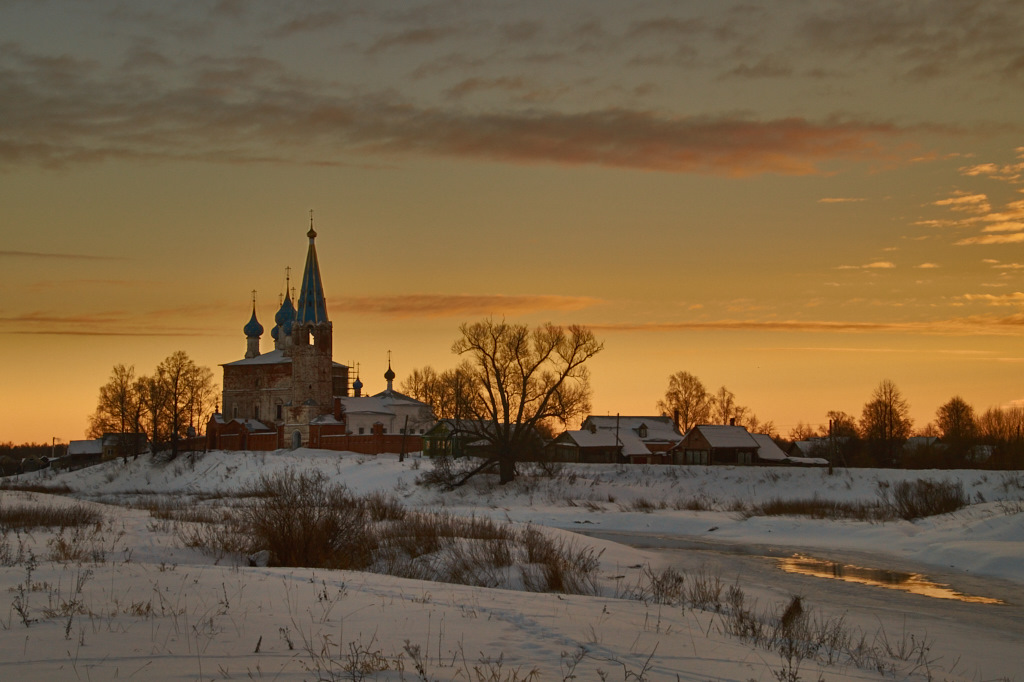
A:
x,y
732,421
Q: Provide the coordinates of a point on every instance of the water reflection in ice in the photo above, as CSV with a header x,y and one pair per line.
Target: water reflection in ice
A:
x,y
908,582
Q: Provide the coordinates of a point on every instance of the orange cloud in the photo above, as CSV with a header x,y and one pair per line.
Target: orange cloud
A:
x,y
962,201
454,305
877,265
1015,298
1015,238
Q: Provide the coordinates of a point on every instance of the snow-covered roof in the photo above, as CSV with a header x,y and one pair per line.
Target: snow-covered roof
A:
x,y
394,398
253,425
658,428
383,403
719,436
767,450
366,405
86,447
587,439
273,357
808,461
324,419
630,443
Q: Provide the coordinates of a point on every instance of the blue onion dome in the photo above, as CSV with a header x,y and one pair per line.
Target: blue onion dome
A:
x,y
253,329
286,315
357,384
390,374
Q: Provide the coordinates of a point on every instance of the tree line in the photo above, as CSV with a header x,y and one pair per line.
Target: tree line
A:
x,y
178,396
994,438
516,385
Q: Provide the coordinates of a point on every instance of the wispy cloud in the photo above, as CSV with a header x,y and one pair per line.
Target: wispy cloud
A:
x,y
876,265
414,37
963,201
1014,299
1016,238
840,200
56,256
455,305
924,40
974,210
250,110
66,284
966,326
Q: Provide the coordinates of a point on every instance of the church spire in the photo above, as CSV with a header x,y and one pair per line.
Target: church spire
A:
x,y
312,304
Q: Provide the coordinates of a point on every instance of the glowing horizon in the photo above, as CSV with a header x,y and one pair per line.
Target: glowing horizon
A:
x,y
788,202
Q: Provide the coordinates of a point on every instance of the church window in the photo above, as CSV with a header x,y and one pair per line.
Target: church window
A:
x,y
280,411
234,411
256,412
642,431
361,430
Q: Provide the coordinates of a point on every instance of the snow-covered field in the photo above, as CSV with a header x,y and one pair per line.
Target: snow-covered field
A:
x,y
142,606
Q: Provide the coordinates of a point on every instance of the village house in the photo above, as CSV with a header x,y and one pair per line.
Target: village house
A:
x,y
607,439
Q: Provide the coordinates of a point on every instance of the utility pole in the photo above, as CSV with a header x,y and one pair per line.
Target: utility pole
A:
x,y
405,433
831,447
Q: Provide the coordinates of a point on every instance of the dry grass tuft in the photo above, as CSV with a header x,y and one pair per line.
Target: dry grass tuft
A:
x,y
29,516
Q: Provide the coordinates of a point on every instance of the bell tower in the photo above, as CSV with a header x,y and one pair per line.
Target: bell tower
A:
x,y
311,348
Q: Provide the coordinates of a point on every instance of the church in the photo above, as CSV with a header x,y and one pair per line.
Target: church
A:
x,y
296,395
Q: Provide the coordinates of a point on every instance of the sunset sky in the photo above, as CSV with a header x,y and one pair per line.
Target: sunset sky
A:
x,y
794,200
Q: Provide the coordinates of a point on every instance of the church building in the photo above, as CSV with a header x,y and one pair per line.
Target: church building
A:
x,y
296,394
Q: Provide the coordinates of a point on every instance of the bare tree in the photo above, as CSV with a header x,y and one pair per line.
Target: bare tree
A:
x,y
447,392
117,405
519,379
686,401
801,432
724,407
189,390
201,396
152,397
885,422
842,425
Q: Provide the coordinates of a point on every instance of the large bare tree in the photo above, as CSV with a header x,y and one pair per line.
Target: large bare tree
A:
x,y
520,379
686,401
